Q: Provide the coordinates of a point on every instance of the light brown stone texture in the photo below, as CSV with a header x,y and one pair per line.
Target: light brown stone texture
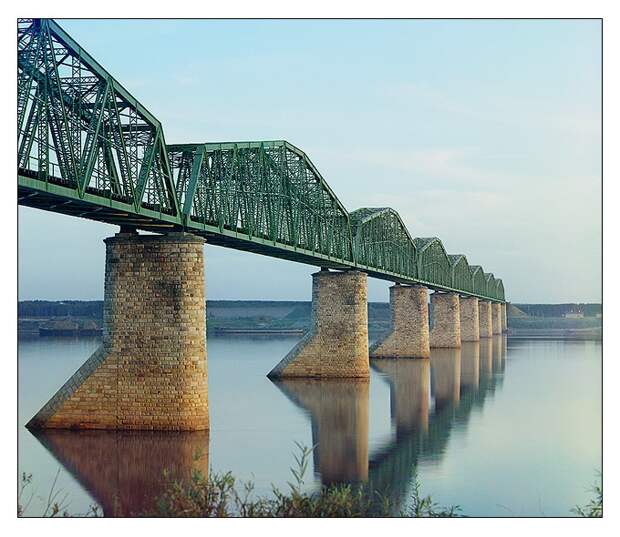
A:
x,y
470,319
496,312
409,393
409,335
337,344
123,470
151,369
486,318
339,413
504,318
446,331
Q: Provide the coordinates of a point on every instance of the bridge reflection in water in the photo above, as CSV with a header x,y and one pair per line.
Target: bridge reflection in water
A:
x,y
124,470
428,399
338,411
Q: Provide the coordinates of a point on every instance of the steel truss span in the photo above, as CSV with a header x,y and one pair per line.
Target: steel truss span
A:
x,y
88,148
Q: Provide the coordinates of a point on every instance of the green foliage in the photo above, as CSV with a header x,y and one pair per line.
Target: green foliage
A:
x,y
218,496
594,508
424,506
55,506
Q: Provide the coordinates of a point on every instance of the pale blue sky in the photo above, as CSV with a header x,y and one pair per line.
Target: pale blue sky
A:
x,y
484,133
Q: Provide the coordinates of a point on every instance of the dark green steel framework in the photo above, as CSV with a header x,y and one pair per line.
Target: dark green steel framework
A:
x,y
88,148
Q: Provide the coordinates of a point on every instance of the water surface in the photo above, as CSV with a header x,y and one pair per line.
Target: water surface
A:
x,y
501,428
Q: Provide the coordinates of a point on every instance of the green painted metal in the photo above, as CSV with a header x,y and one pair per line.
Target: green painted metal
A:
x,y
461,273
381,240
479,282
88,148
434,265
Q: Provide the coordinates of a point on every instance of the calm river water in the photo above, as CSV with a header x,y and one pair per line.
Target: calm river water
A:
x,y
501,428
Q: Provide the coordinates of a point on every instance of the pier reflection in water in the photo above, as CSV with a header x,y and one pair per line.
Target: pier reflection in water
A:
x,y
338,411
458,385
123,471
409,382
445,377
375,433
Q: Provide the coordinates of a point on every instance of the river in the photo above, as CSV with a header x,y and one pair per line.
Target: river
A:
x,y
504,427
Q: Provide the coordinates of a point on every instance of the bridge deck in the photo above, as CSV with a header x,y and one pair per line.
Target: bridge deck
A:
x,y
87,148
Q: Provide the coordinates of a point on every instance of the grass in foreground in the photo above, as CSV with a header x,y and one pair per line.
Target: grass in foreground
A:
x,y
218,496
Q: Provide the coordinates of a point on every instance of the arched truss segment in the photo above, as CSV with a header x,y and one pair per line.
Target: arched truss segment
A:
x,y
461,273
79,129
491,287
381,240
266,190
433,264
499,285
479,282
88,148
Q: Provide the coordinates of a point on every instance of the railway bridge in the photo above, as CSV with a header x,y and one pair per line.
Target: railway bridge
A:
x,y
88,148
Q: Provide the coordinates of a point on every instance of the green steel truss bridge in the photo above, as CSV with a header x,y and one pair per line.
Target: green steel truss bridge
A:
x,y
88,148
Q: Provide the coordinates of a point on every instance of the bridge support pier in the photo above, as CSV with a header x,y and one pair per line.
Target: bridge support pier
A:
x,y
470,319
496,309
486,318
337,345
504,318
446,331
151,369
409,335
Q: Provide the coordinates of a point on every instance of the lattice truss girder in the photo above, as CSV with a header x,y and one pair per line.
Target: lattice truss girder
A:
x,y
76,126
381,240
266,190
79,129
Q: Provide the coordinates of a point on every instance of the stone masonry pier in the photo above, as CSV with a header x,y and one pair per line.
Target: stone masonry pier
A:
x,y
496,312
470,319
409,335
486,318
504,318
337,344
151,369
446,331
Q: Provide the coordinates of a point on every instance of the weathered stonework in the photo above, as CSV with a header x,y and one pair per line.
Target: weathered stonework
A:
x,y
337,345
470,319
496,312
504,318
486,319
409,336
151,369
446,331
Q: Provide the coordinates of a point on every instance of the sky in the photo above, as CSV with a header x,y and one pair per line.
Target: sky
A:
x,y
484,133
